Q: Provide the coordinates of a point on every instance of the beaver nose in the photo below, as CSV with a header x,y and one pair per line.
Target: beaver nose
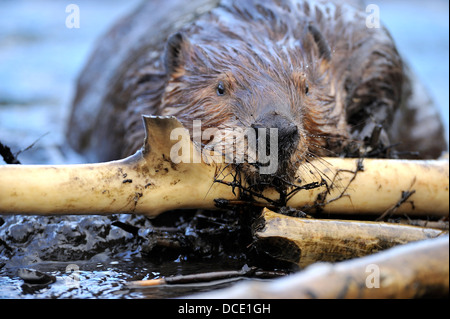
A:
x,y
288,134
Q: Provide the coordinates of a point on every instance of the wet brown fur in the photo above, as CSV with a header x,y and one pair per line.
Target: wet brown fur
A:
x,y
314,63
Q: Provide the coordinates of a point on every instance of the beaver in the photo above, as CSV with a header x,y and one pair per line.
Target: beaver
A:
x,y
312,69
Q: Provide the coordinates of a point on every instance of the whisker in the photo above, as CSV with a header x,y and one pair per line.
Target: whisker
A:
x,y
324,149
321,160
331,137
320,172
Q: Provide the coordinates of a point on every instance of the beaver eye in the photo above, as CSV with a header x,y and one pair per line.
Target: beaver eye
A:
x,y
220,90
306,88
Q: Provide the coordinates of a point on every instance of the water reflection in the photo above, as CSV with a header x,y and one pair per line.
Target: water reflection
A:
x,y
112,280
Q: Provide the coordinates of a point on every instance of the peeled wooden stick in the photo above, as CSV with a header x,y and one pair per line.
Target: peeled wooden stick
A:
x,y
150,183
413,270
394,187
304,241
147,182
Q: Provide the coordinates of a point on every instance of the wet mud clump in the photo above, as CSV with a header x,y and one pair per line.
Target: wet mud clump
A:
x,y
180,234
28,239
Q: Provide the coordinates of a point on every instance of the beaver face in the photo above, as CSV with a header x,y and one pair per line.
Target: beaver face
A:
x,y
271,92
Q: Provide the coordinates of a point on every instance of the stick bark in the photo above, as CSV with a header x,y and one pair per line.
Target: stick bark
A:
x,y
304,241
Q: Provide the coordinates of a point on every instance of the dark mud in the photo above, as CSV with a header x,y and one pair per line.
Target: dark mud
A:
x,y
98,256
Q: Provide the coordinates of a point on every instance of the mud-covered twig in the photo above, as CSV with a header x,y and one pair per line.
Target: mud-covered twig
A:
x,y
11,158
321,200
7,155
404,197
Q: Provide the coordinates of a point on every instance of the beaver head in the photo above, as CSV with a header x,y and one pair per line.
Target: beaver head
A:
x,y
279,91
312,71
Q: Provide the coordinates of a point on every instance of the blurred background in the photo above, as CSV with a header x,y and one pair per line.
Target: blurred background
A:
x,y
40,59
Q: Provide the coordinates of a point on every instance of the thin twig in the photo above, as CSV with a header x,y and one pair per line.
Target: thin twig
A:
x,y
207,277
405,196
7,155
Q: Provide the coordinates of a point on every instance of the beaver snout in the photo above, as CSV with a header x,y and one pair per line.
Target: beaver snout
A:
x,y
287,134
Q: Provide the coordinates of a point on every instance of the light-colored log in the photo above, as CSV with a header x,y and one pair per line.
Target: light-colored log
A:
x,y
150,183
147,182
413,187
304,241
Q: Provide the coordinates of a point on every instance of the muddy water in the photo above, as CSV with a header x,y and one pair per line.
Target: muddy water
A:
x,y
98,256
109,279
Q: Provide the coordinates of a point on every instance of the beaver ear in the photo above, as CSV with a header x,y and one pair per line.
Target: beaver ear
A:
x,y
174,57
324,49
